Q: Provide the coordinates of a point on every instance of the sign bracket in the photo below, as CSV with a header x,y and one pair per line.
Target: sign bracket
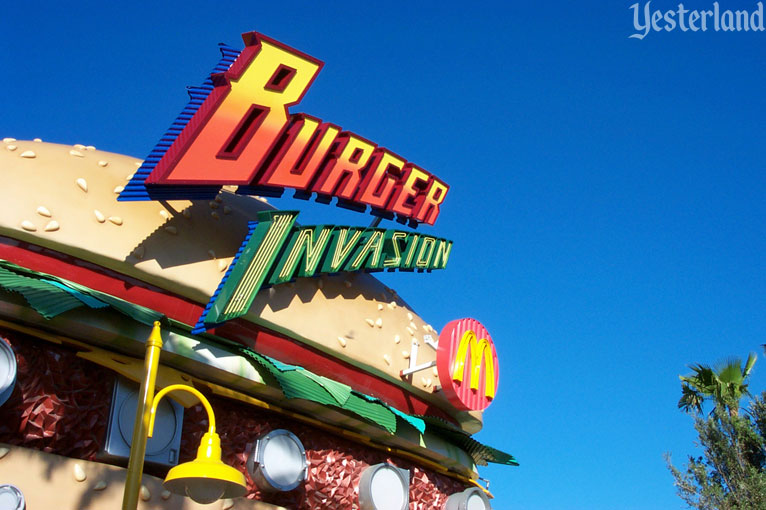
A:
x,y
418,368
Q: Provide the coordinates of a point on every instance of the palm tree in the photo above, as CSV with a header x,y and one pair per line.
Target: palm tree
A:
x,y
725,385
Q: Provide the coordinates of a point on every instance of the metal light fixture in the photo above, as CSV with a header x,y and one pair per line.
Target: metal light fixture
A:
x,y
163,448
384,487
470,499
7,371
206,478
278,461
11,497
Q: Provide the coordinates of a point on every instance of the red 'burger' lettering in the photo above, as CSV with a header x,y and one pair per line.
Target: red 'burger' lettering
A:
x,y
243,134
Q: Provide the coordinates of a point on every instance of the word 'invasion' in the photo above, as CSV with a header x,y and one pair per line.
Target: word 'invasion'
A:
x,y
276,251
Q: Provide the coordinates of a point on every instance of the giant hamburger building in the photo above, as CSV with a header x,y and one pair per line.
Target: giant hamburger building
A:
x,y
274,343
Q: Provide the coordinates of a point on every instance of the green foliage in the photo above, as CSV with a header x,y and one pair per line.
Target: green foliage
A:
x,y
725,385
731,472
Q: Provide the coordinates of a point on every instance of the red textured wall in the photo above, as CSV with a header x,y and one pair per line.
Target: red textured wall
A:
x,y
61,405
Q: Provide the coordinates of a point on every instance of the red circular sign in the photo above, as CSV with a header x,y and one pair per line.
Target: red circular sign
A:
x,y
467,364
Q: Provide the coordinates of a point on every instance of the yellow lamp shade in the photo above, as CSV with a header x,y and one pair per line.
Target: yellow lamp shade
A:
x,y
206,478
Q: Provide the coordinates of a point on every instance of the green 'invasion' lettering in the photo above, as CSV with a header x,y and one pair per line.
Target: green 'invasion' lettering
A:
x,y
302,242
424,257
341,248
409,254
442,254
392,249
373,248
278,251
247,276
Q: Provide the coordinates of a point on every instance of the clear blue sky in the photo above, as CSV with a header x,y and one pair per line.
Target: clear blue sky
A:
x,y
606,203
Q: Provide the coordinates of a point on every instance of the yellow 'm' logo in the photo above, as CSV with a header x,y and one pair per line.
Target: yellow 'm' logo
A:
x,y
482,347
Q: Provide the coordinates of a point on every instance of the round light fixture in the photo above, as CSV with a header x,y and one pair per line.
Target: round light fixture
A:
x,y
470,499
384,487
7,371
166,424
206,479
11,498
278,461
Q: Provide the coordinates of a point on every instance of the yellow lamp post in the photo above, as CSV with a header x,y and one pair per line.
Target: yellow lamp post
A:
x,y
202,479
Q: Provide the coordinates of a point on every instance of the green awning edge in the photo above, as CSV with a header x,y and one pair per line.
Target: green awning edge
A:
x,y
297,382
481,453
50,295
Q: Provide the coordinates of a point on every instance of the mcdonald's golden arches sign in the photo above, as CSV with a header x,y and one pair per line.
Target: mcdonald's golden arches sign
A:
x,y
467,364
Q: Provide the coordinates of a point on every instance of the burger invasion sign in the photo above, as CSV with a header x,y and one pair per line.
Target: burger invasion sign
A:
x,y
237,129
